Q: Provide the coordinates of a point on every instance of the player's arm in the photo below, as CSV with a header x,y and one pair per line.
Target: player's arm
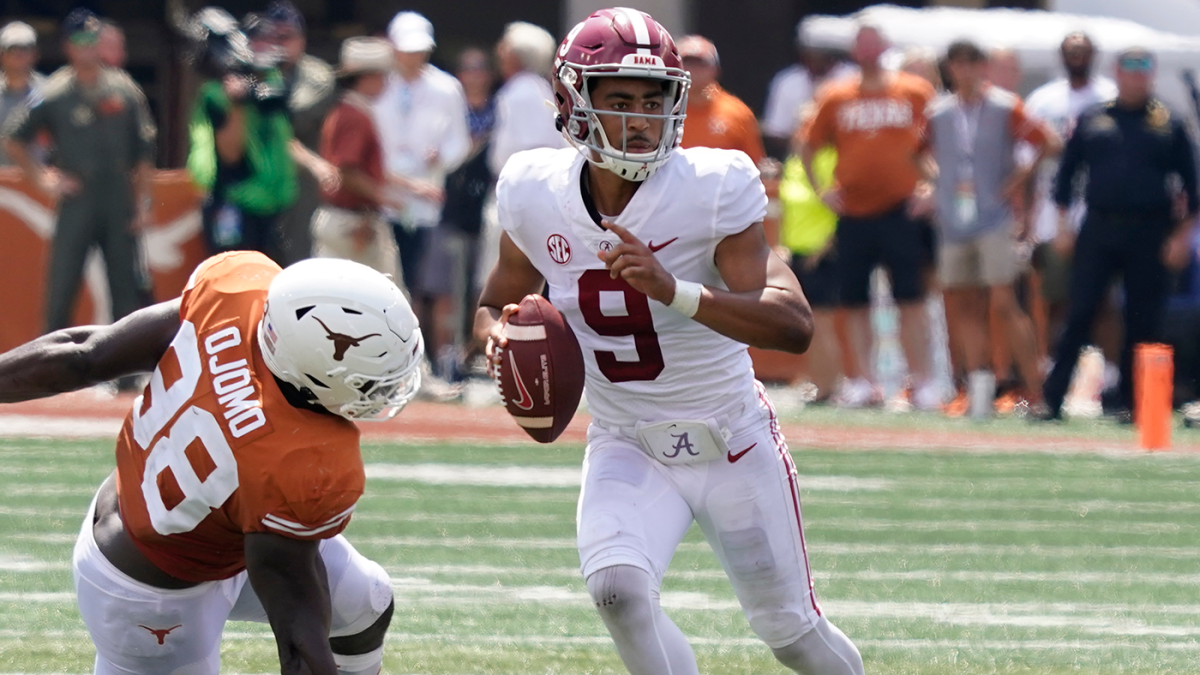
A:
x,y
764,306
74,358
289,578
511,279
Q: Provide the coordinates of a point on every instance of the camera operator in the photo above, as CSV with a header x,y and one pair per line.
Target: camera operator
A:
x,y
240,135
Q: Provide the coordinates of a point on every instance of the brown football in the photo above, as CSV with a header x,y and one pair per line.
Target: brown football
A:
x,y
541,370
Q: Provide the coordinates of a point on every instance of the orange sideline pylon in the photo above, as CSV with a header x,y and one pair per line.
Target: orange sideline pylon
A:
x,y
1153,373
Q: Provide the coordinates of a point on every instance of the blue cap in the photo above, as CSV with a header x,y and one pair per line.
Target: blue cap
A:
x,y
284,14
81,22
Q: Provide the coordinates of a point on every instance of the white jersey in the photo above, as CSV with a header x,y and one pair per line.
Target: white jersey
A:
x,y
644,360
1058,105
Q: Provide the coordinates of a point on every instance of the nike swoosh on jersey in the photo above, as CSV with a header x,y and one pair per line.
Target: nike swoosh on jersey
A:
x,y
525,402
656,249
733,457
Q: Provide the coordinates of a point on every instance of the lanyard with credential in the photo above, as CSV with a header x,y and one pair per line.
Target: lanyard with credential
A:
x,y
967,123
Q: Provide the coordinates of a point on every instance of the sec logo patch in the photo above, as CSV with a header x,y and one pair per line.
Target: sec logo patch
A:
x,y
560,250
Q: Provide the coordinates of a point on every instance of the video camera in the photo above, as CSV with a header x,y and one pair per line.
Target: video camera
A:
x,y
219,47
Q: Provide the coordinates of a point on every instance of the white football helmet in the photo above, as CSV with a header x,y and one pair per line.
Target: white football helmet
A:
x,y
343,334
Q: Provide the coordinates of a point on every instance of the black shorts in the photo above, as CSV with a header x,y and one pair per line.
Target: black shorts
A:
x,y
893,240
820,284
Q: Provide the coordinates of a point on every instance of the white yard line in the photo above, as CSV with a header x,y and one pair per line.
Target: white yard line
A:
x,y
55,426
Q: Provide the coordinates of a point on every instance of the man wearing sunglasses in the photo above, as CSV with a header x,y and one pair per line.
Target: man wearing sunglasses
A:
x,y
1142,201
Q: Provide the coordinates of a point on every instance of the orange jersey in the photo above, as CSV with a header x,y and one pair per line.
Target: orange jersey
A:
x,y
722,122
877,134
212,450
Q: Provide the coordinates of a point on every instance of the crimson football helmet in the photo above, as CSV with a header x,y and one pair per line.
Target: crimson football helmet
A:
x,y
618,42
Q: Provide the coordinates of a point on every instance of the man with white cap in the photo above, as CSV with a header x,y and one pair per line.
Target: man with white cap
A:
x,y
422,116
422,123
348,224
20,83
819,59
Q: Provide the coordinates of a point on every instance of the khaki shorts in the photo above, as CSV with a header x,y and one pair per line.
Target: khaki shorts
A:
x,y
333,237
1055,270
988,260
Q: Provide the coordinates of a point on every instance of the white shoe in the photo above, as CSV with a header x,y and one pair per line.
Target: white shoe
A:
x,y
859,393
929,396
981,394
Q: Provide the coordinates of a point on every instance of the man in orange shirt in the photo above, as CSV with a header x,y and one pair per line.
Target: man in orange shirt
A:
x,y
876,122
715,118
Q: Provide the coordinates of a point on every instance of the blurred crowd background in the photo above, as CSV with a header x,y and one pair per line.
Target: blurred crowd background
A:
x,y
375,131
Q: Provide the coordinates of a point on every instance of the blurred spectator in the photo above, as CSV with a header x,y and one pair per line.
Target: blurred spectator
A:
x,y
716,118
818,60
241,138
467,189
21,85
1059,104
349,223
475,74
1181,328
1134,150
523,120
974,133
807,232
923,62
422,122
103,136
112,45
1004,69
876,123
311,93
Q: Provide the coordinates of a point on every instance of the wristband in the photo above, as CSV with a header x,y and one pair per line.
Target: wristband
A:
x,y
687,297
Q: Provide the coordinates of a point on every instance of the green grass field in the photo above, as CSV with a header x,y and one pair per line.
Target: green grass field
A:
x,y
933,562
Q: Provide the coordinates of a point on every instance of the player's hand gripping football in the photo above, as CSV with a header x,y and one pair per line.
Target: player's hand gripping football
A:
x,y
634,262
496,342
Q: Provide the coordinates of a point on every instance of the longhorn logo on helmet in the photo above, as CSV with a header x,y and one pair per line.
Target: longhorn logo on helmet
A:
x,y
342,343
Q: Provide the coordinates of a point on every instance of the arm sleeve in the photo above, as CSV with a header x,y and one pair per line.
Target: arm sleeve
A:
x,y
1185,165
1071,158
309,495
145,130
1027,129
26,121
779,117
343,144
742,199
456,144
752,143
819,130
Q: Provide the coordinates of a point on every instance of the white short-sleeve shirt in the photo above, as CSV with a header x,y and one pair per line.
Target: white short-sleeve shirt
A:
x,y
1058,105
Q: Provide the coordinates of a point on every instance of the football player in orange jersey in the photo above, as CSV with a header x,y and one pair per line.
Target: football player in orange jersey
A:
x,y
239,466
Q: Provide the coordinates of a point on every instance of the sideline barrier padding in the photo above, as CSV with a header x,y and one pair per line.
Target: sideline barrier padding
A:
x,y
172,247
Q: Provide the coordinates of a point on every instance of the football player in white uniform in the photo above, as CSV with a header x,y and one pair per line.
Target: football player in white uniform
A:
x,y
656,257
